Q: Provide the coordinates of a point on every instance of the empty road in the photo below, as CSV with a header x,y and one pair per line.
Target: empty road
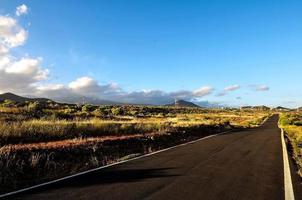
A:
x,y
239,165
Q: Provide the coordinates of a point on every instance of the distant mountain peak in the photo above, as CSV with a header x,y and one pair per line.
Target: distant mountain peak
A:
x,y
182,103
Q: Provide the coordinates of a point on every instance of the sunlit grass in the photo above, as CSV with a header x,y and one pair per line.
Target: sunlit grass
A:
x,y
42,144
41,130
294,133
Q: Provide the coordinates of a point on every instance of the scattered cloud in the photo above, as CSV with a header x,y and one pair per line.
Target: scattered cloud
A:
x,y
11,34
205,90
87,86
21,10
17,74
232,88
161,97
220,94
26,75
260,87
228,89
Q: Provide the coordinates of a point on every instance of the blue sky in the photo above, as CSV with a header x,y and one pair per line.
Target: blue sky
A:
x,y
249,52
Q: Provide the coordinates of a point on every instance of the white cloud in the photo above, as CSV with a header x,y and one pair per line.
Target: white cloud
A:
x,y
260,87
17,74
21,10
89,87
4,61
50,87
20,75
161,97
82,83
228,89
203,91
232,88
220,94
3,50
11,33
180,94
23,66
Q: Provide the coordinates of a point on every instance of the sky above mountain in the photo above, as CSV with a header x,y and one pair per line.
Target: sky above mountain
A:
x,y
227,52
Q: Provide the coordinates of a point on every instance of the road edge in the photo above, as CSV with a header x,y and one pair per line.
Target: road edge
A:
x,y
107,166
288,185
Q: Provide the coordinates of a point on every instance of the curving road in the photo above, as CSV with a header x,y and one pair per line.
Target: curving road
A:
x,y
239,165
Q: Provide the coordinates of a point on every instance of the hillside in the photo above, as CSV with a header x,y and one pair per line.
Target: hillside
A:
x,y
255,107
70,100
182,103
280,108
20,99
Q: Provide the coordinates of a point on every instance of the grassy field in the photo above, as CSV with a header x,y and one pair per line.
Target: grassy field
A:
x,y
42,142
44,130
292,125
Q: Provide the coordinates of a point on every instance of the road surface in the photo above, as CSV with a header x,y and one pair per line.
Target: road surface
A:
x,y
240,165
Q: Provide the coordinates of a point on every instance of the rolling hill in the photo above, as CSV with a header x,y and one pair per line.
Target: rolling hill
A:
x,y
20,99
71,100
182,103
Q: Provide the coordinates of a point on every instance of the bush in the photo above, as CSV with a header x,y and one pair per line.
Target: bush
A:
x,y
86,108
285,121
8,103
297,123
117,111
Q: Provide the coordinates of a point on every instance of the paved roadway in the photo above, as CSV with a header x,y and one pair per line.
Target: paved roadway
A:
x,y
240,165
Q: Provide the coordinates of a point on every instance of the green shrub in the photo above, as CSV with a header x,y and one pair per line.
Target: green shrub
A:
x,y
117,111
284,121
8,103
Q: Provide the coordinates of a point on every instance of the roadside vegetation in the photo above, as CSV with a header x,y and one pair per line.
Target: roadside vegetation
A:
x,y
291,122
43,141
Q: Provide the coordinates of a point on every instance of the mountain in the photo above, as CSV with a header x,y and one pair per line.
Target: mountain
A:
x,y
280,108
20,99
255,108
71,100
182,103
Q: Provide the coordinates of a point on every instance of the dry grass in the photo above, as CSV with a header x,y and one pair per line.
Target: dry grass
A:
x,y
294,134
43,130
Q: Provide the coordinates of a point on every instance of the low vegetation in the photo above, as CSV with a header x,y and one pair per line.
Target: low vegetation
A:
x,y
43,141
292,125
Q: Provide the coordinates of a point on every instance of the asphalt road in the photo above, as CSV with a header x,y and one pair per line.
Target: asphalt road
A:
x,y
239,165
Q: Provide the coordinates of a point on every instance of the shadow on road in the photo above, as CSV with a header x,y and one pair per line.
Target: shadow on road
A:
x,y
107,176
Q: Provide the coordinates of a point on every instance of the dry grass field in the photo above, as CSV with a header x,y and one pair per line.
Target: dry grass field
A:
x,y
42,142
292,125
